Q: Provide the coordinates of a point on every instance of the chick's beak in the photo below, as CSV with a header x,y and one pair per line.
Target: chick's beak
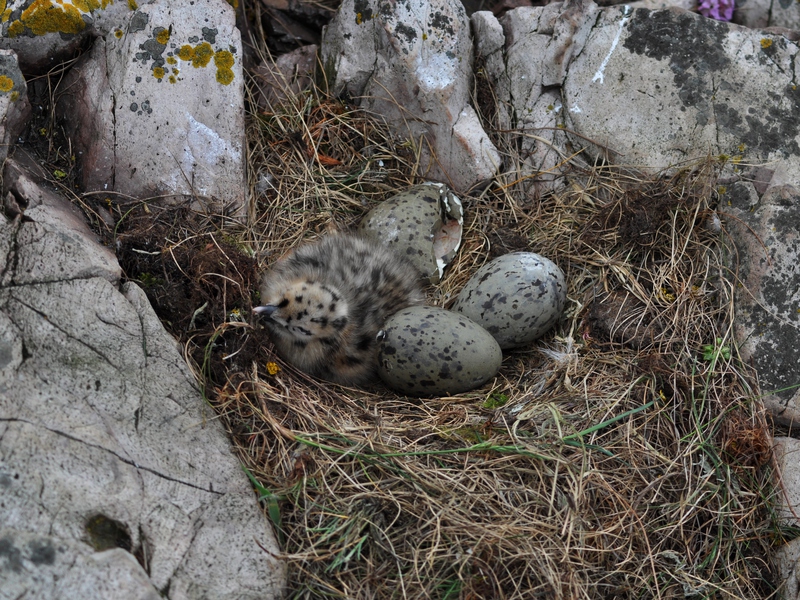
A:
x,y
265,310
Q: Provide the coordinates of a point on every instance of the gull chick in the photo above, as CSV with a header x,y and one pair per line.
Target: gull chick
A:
x,y
325,302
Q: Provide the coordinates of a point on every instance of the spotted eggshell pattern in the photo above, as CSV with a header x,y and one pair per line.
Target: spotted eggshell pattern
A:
x,y
430,351
410,222
516,297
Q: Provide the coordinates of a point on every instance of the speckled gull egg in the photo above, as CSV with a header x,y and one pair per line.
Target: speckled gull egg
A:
x,y
516,297
430,351
423,223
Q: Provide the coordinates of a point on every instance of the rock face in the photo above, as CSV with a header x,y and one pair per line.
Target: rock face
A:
x,y
766,233
115,479
156,108
14,105
412,64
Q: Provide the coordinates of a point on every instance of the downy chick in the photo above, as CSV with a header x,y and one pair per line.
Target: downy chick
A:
x,y
325,303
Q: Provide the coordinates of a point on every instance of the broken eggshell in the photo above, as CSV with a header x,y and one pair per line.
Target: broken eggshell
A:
x,y
430,351
423,223
516,297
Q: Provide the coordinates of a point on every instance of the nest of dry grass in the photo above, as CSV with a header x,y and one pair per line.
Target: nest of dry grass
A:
x,y
625,455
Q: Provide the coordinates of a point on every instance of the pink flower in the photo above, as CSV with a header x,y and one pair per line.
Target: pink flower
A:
x,y
721,10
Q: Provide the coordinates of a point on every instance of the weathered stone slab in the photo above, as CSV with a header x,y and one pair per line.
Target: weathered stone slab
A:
x,y
412,64
660,98
766,236
116,479
157,108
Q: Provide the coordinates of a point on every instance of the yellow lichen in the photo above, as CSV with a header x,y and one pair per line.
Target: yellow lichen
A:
x,y
272,368
158,72
15,29
234,3
202,55
14,96
172,79
6,83
85,5
162,37
741,147
132,4
766,43
42,17
171,60
5,15
358,18
186,52
224,60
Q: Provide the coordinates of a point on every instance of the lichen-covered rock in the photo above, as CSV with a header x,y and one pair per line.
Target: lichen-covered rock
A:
x,y
430,351
764,259
46,32
658,99
157,107
411,63
14,105
422,223
516,297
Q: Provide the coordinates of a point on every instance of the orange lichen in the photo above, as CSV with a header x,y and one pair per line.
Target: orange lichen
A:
x,y
6,83
202,55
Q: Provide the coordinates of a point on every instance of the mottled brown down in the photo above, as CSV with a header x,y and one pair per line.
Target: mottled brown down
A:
x,y
326,302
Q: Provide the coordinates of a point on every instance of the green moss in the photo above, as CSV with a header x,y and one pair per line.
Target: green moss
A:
x,y
6,83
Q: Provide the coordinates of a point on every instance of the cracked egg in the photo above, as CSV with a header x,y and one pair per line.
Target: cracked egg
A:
x,y
423,223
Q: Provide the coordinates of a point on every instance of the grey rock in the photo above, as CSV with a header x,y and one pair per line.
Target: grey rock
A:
x,y
117,481
156,108
14,105
765,233
689,95
412,64
291,73
788,562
